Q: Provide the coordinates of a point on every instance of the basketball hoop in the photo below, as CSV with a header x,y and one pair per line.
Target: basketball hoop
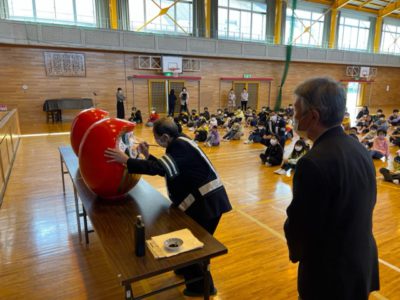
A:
x,y
175,72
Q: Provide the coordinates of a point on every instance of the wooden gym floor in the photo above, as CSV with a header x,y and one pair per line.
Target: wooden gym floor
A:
x,y
41,257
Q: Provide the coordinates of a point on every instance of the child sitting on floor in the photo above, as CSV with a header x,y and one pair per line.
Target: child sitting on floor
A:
x,y
201,132
395,175
257,134
235,132
290,164
152,118
213,138
380,147
273,154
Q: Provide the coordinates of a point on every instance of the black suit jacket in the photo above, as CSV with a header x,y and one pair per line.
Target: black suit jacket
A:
x,y
329,223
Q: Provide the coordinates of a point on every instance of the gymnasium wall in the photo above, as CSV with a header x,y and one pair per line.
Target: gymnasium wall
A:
x,y
105,71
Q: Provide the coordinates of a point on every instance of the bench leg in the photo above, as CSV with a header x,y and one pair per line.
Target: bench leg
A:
x,y
206,271
128,292
78,214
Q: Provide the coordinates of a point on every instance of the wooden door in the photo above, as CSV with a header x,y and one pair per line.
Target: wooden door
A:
x,y
158,96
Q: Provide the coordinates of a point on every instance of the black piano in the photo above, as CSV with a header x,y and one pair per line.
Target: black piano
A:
x,y
54,107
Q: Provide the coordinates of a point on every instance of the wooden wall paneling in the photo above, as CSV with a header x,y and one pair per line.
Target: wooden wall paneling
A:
x,y
106,71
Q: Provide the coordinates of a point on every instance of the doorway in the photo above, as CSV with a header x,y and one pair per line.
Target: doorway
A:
x,y
252,89
158,94
354,99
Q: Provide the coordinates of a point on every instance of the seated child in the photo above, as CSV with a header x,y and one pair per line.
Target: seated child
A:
x,y
201,132
220,117
395,137
290,164
133,112
257,134
346,123
178,123
152,118
235,132
213,137
368,139
380,147
183,117
206,113
273,154
394,119
395,175
353,132
213,121
382,123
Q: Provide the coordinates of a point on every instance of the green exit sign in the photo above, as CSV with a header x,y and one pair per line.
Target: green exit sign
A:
x,y
246,75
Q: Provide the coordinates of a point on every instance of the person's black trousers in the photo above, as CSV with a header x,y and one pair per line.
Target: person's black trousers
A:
x,y
120,110
243,105
196,270
171,109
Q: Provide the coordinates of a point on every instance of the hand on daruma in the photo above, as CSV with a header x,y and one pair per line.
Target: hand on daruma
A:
x,y
81,124
107,180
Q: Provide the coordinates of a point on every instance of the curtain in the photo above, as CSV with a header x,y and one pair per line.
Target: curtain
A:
x,y
123,14
4,12
102,14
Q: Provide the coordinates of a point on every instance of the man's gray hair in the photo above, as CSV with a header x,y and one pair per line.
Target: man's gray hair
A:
x,y
325,95
166,126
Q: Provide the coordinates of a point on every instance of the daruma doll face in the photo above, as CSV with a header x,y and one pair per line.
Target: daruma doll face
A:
x,y
107,180
81,124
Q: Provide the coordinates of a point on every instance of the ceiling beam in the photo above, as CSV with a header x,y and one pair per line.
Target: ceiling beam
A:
x,y
389,9
340,3
366,3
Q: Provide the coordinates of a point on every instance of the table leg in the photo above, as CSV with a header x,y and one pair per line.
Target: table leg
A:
x,y
128,292
85,225
78,214
206,272
62,172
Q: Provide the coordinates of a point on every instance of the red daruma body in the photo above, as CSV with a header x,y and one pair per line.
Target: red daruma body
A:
x,y
81,124
108,180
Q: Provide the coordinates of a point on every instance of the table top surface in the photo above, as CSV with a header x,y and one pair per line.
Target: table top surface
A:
x,y
114,223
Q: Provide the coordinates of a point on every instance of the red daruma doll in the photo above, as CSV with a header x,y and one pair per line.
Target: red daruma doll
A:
x,y
108,180
81,124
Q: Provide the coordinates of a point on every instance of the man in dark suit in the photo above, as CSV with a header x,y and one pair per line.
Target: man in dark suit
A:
x,y
329,223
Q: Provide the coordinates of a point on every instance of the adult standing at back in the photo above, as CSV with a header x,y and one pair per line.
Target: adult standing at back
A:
x,y
231,101
184,97
171,102
244,98
329,223
120,104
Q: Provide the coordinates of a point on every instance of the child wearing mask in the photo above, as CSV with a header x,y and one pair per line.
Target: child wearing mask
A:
x,y
395,137
152,118
257,134
201,132
380,147
346,123
235,132
368,139
213,138
395,175
273,154
290,164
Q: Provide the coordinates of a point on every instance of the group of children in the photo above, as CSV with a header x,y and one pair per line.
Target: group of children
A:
x,y
372,130
273,129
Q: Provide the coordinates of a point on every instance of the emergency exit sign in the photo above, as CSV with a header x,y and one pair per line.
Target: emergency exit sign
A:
x,y
246,75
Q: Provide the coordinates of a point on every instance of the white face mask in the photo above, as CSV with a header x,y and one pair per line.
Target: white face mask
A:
x,y
273,142
298,148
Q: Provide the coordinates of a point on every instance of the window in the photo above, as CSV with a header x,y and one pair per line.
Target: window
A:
x,y
178,19
73,12
353,33
308,27
390,42
242,20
